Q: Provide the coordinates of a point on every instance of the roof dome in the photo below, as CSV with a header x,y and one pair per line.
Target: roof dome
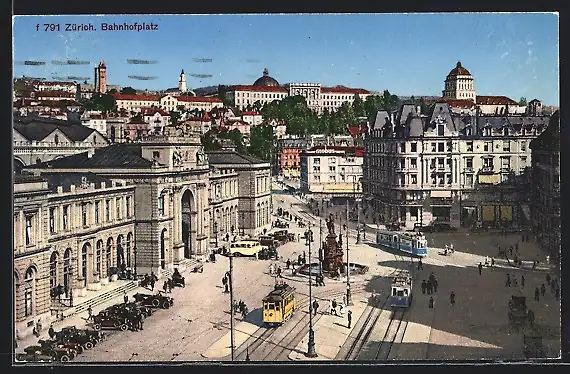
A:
x,y
266,80
458,70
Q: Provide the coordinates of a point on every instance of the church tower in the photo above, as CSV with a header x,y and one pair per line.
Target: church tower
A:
x,y
102,78
182,82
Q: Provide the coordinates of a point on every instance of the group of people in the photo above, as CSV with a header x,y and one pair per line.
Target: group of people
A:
x,y
176,280
241,307
554,288
335,308
430,286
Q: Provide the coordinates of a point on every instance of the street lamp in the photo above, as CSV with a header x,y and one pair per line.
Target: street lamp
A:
x,y
348,296
311,346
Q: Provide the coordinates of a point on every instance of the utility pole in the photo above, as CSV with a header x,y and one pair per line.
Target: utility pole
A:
x,y
348,298
232,342
311,345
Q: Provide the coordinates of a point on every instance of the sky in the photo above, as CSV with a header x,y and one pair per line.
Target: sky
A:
x,y
509,54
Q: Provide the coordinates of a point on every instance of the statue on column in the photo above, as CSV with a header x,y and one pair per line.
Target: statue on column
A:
x,y
330,224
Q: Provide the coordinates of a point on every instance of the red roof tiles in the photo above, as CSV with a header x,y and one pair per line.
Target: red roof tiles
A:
x,y
495,100
153,111
251,113
342,89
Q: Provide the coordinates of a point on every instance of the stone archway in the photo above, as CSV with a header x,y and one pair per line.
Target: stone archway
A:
x,y
120,251
189,224
67,271
85,250
163,249
18,166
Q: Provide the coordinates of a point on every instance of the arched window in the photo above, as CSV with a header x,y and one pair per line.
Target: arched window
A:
x,y
67,270
84,249
53,269
108,256
38,160
29,292
98,257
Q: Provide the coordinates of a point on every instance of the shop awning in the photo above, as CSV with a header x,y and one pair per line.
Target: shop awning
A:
x,y
444,194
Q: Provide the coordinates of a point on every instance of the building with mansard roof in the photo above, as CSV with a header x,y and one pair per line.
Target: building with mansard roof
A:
x,y
37,140
545,207
422,167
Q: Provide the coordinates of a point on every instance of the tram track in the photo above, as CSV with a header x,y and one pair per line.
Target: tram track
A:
x,y
367,344
281,346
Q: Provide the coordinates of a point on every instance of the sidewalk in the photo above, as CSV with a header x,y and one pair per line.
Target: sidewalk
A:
x,y
222,348
330,333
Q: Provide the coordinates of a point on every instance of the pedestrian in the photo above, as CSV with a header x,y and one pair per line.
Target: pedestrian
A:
x,y
344,299
517,247
480,268
51,332
89,313
511,250
536,294
508,283
434,285
35,332
170,284
300,260
125,297
304,258
531,317
152,280
452,298
332,305
557,293
288,264
244,311
165,286
279,271
341,309
446,248
420,264
140,320
424,286
542,290
522,281
349,316
225,283
429,287
431,302
315,307
492,261
548,279
534,264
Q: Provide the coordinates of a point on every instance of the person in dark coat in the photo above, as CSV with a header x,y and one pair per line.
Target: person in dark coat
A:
x,y
420,264
349,316
152,281
536,294
125,297
431,302
424,286
508,283
522,280
542,289
548,279
429,287
480,266
434,285
452,298
315,307
288,264
531,317
165,286
225,283
51,332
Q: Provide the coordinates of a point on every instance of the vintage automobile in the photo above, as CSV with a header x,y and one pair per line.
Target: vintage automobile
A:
x,y
33,357
124,309
85,337
109,321
281,224
518,312
78,348
57,354
155,301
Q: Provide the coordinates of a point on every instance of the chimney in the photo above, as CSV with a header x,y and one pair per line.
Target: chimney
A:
x,y
72,188
90,153
59,189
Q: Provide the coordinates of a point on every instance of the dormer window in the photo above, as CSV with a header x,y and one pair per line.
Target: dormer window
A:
x,y
468,131
505,131
440,130
56,139
487,131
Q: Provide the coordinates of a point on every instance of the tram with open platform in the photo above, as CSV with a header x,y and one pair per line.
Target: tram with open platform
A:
x,y
401,292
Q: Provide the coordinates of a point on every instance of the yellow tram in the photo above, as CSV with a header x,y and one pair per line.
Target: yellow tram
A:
x,y
279,305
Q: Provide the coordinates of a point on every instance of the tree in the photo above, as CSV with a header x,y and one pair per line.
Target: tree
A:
x,y
209,141
101,102
112,91
262,142
358,106
174,117
522,101
128,91
236,138
372,105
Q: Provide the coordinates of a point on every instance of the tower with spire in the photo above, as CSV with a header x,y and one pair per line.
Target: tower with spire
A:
x,y
182,82
102,81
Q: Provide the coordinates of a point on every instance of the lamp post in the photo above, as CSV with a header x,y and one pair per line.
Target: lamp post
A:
x,y
231,280
311,346
321,249
348,296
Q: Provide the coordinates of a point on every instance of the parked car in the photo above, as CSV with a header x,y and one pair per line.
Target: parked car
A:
x,y
156,301
33,357
87,338
123,309
78,348
109,321
57,354
439,227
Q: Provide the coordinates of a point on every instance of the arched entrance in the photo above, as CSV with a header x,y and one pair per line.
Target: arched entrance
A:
x,y
84,250
98,257
108,255
30,291
18,166
163,249
67,275
53,262
129,245
120,252
188,218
